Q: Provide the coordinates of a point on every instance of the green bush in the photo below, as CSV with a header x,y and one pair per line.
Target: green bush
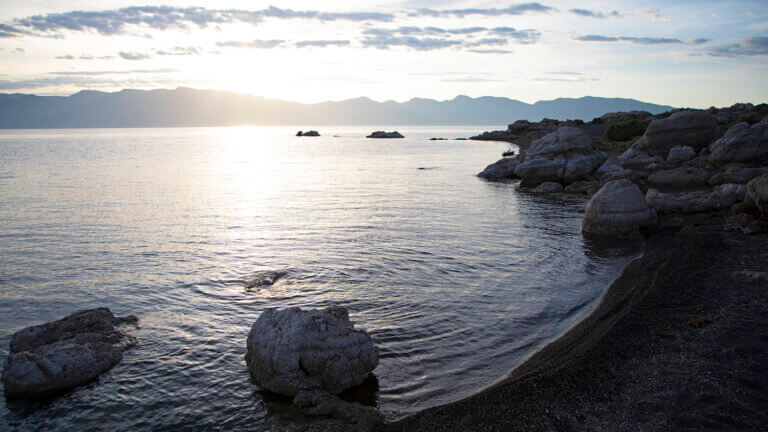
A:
x,y
626,130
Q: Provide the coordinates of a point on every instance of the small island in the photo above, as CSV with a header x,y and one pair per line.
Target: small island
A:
x,y
310,133
382,134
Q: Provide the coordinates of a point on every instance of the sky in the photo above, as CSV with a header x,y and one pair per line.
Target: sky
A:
x,y
681,53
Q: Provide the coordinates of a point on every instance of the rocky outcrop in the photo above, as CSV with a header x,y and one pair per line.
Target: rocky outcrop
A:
x,y
311,133
719,198
548,188
680,154
501,169
694,129
758,193
679,178
382,134
563,156
617,209
742,144
59,355
263,278
523,132
291,350
353,415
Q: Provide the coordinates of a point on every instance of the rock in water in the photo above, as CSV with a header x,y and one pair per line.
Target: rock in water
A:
x,y
290,350
563,156
353,414
502,169
694,129
617,209
382,134
63,354
263,278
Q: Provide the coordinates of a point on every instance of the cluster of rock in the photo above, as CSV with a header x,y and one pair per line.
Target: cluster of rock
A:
x,y
383,134
60,355
683,164
310,133
523,132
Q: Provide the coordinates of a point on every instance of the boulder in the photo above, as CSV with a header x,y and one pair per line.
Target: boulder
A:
x,y
757,190
617,209
351,414
679,178
548,188
694,129
736,175
382,134
311,133
742,144
637,157
263,278
721,197
564,156
60,355
290,350
501,169
582,187
680,154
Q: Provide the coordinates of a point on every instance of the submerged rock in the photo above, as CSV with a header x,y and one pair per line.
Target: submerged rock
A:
x,y
353,414
565,156
311,133
382,134
263,278
694,129
617,209
63,354
290,350
501,169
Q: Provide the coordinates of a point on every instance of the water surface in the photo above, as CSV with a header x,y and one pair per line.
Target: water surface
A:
x,y
457,279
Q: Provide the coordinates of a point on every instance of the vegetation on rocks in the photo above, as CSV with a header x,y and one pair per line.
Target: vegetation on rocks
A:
x,y
626,130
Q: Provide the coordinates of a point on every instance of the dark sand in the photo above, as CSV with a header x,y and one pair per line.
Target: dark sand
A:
x,y
647,359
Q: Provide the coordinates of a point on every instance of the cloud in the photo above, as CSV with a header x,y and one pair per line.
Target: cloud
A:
x,y
518,9
179,51
258,43
470,79
487,41
83,82
321,43
698,41
593,14
119,72
564,73
753,46
19,50
522,36
490,51
423,31
630,39
65,57
655,14
116,21
419,44
550,79
133,55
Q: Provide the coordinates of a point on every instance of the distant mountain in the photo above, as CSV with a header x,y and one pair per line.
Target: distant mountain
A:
x,y
190,107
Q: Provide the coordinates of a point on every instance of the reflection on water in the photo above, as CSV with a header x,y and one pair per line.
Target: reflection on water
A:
x,y
456,278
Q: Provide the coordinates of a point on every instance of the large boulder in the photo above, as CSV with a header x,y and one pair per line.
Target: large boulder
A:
x,y
719,198
679,178
617,209
758,193
694,129
290,350
59,355
501,169
563,156
742,144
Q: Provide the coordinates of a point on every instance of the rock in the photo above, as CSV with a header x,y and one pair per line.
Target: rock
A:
x,y
60,355
501,169
736,175
721,197
438,139
746,224
263,278
752,276
637,157
680,178
680,154
321,403
311,133
382,134
565,155
742,144
617,209
757,190
548,188
290,350
616,117
582,187
694,129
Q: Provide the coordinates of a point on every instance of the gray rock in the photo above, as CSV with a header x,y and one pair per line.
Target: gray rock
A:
x,y
757,190
501,169
582,187
311,133
382,134
617,209
548,188
742,144
290,350
679,178
263,278
565,156
694,129
60,355
721,197
736,175
355,416
680,154
637,157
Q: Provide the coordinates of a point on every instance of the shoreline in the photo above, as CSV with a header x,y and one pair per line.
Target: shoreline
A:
x,y
672,345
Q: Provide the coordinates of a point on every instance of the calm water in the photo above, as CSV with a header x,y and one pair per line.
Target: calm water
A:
x,y
456,279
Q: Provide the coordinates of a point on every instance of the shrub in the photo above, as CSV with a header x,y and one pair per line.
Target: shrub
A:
x,y
626,130
597,120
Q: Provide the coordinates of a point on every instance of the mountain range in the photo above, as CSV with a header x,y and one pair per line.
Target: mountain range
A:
x,y
192,107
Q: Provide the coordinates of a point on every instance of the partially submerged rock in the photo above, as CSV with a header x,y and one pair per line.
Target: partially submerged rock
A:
x,y
501,169
290,350
263,278
383,134
617,209
311,133
352,414
694,129
564,156
59,355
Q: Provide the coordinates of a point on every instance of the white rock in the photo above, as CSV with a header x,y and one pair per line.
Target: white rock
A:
x,y
742,144
685,128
